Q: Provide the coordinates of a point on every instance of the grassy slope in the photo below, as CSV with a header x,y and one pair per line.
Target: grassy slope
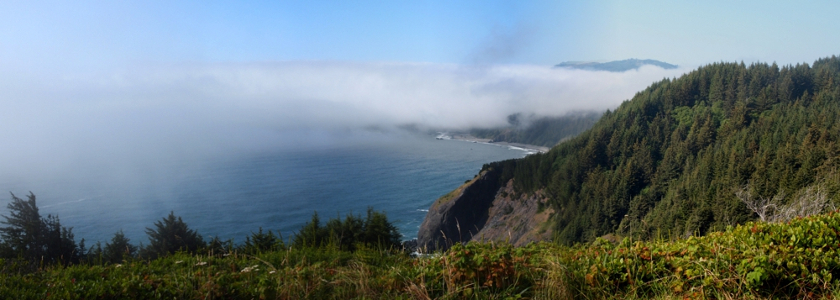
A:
x,y
798,259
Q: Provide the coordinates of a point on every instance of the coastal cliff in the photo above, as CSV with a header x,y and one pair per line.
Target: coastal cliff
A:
x,y
483,209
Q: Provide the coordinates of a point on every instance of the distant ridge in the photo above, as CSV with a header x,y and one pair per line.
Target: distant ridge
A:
x,y
615,66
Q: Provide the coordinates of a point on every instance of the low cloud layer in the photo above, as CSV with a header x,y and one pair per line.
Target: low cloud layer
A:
x,y
137,116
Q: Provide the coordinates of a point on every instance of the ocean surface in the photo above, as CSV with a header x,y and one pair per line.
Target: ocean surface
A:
x,y
276,189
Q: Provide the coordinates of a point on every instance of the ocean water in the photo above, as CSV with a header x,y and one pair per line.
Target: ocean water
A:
x,y
276,189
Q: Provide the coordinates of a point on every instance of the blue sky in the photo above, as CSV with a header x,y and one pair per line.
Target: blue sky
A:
x,y
84,34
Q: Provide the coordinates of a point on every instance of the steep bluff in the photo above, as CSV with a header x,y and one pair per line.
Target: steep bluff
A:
x,y
484,209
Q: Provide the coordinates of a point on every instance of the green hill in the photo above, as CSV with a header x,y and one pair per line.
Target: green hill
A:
x,y
541,131
672,160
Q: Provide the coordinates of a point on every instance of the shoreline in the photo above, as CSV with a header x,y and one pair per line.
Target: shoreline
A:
x,y
530,149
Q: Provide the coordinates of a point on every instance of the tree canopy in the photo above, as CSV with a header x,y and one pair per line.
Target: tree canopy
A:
x,y
33,238
373,231
669,161
171,235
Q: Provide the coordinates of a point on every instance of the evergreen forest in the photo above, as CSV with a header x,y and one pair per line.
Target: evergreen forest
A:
x,y
719,146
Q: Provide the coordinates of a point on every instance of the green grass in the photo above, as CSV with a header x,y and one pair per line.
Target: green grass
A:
x,y
795,260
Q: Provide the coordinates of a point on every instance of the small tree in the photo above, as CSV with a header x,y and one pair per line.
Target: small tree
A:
x,y
60,243
311,235
170,235
217,246
118,249
375,230
258,242
378,231
345,233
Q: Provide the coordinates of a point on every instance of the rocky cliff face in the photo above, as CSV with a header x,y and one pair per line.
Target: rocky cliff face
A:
x,y
484,210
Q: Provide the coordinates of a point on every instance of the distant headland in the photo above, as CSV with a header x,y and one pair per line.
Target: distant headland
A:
x,y
614,66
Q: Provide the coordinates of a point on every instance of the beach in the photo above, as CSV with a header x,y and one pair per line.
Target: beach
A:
x,y
531,149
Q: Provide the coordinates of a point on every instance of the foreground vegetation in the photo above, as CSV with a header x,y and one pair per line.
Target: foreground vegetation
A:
x,y
798,259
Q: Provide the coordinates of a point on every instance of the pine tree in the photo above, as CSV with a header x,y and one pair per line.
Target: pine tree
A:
x,y
311,234
118,249
379,232
171,235
258,242
23,234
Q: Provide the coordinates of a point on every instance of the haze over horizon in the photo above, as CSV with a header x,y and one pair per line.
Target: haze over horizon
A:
x,y
104,82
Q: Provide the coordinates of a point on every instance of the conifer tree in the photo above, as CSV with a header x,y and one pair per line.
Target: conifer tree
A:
x,y
22,234
379,232
171,235
258,242
118,249
311,235
29,236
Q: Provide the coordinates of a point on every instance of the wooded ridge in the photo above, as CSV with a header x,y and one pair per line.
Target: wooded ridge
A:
x,y
695,154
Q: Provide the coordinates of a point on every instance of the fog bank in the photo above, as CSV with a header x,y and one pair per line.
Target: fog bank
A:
x,y
133,117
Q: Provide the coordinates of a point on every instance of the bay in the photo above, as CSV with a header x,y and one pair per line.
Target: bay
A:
x,y
274,189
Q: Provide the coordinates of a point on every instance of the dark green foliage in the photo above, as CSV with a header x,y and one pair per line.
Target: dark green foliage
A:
x,y
23,233
311,234
119,249
545,131
795,260
60,243
171,235
217,246
259,242
374,231
378,231
667,162
36,239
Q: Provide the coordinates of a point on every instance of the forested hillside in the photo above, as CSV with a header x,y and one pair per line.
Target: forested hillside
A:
x,y
543,131
687,155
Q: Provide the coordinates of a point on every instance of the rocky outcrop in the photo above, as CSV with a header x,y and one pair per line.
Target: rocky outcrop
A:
x,y
484,209
459,215
517,219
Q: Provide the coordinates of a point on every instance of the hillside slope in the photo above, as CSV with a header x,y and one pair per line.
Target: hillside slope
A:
x,y
541,131
670,161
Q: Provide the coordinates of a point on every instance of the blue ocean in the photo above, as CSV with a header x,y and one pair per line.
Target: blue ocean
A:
x,y
274,189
